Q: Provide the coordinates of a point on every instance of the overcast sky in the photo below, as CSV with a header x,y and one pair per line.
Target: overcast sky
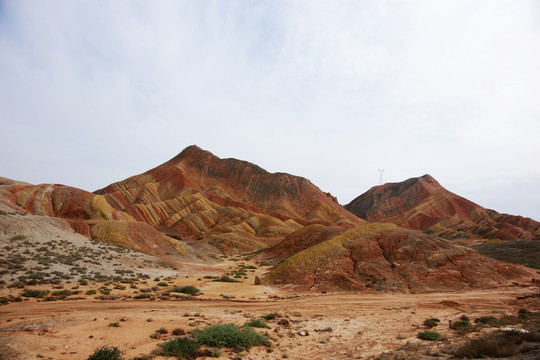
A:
x,y
92,92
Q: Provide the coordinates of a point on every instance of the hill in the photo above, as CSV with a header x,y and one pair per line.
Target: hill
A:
x,y
387,257
233,204
423,204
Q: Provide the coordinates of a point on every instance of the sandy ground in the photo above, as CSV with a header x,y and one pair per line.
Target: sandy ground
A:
x,y
362,325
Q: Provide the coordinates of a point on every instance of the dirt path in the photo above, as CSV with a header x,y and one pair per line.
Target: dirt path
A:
x,y
361,324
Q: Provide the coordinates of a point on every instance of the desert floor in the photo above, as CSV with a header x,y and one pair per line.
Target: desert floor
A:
x,y
356,326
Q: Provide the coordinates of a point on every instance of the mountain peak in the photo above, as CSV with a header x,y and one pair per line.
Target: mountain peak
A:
x,y
422,203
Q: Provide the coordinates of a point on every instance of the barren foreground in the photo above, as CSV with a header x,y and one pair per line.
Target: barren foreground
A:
x,y
321,326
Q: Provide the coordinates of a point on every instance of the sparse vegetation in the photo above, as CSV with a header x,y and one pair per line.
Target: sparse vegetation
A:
x,y
106,353
495,344
431,322
190,290
257,324
35,293
114,324
271,316
226,278
488,320
429,335
179,347
229,335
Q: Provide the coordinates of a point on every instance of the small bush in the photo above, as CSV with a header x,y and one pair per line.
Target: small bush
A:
x,y
106,353
182,348
114,324
90,292
431,322
178,332
271,316
257,324
226,278
61,293
162,331
162,283
18,237
190,290
229,335
495,344
461,324
488,320
143,296
35,293
429,335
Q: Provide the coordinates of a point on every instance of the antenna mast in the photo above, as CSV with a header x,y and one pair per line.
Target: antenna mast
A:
x,y
381,171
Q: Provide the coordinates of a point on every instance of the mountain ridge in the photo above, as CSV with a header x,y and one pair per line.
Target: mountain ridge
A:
x,y
423,204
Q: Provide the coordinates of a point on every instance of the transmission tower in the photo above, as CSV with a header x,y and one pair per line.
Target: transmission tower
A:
x,y
381,171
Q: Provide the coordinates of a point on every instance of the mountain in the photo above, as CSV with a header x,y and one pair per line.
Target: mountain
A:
x,y
233,204
86,213
387,257
423,204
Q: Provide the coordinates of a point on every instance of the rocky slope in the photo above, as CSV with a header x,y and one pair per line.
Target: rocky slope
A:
x,y
86,213
233,204
423,204
387,257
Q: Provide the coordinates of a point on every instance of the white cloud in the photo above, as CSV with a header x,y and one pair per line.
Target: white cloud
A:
x,y
97,91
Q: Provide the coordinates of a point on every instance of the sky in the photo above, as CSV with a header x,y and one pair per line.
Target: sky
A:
x,y
92,92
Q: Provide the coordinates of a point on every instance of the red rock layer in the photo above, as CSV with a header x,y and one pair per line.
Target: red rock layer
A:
x,y
423,204
88,214
387,257
198,195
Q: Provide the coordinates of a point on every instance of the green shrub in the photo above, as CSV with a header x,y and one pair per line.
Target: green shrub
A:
x,y
162,283
226,278
429,335
431,322
271,316
106,353
35,293
495,344
162,331
181,348
18,237
61,293
143,296
257,324
114,324
488,320
229,335
461,324
90,292
190,290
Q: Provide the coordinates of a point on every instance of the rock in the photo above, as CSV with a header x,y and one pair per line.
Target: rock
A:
x,y
257,280
517,330
123,318
149,320
283,322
